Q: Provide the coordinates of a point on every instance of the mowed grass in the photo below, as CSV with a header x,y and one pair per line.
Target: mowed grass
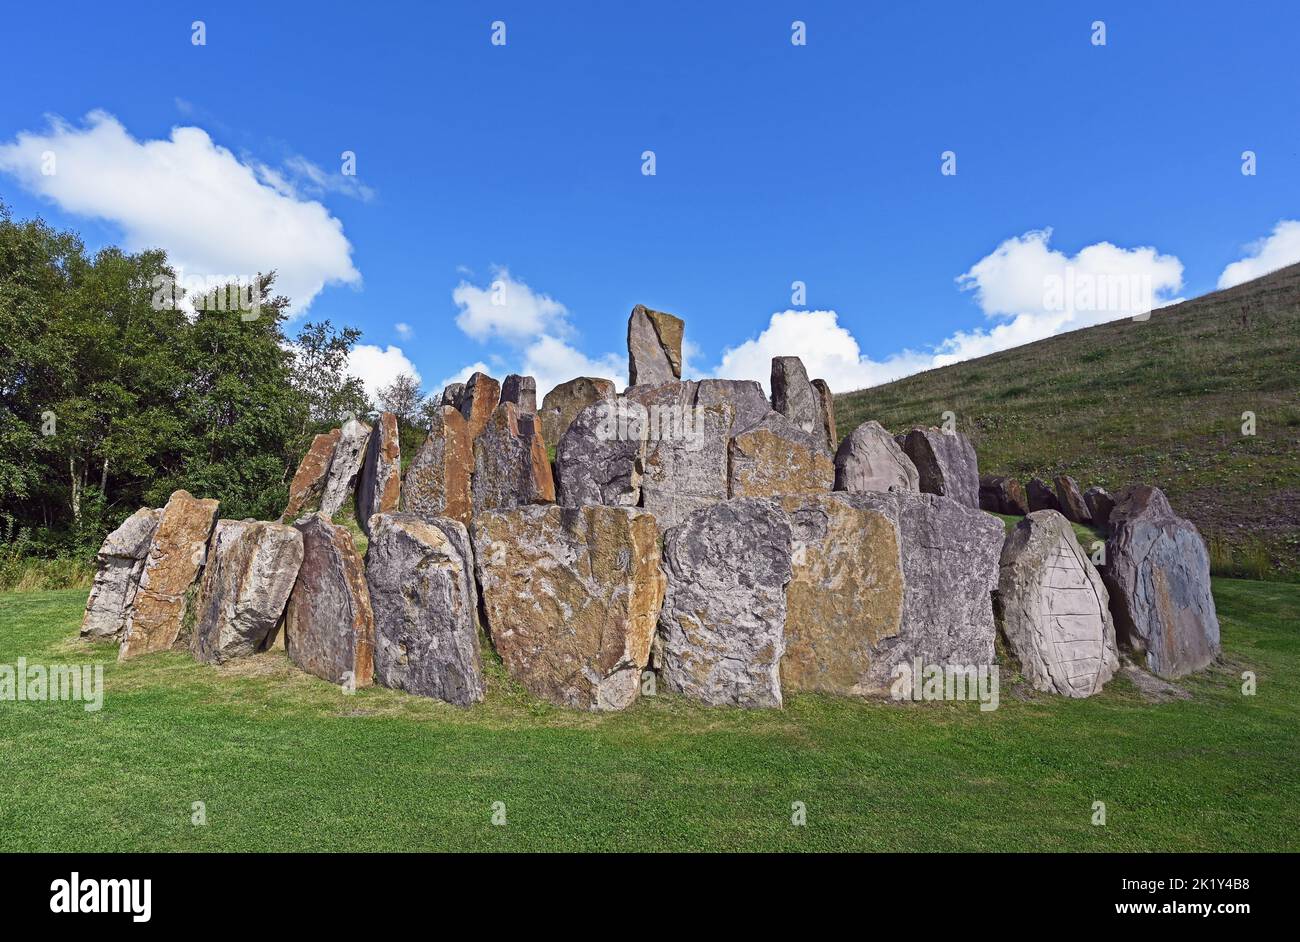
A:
x,y
283,761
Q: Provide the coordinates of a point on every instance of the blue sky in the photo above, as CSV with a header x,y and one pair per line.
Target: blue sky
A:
x,y
774,163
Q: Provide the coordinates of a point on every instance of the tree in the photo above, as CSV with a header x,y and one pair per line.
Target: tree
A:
x,y
320,374
402,397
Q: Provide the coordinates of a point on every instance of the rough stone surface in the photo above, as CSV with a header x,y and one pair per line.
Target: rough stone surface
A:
x,y
522,391
945,463
118,567
176,556
437,483
379,490
1100,504
1070,497
744,400
341,484
722,628
1158,573
826,403
1003,495
251,569
571,596
1055,608
566,400
601,456
510,463
420,574
329,625
478,402
654,346
870,460
845,594
794,396
1041,496
775,458
686,450
950,569
309,480
452,395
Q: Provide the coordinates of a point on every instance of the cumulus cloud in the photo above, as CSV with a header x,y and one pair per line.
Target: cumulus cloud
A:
x,y
1265,255
376,367
553,361
214,214
509,310
462,375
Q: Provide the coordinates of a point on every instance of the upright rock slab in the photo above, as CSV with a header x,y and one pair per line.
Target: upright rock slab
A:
x,y
572,596
945,463
602,454
1041,496
478,402
437,483
563,403
1055,608
329,625
119,565
1158,573
686,450
774,457
795,398
870,460
722,628
1071,499
654,346
453,394
420,574
1100,504
510,463
522,391
251,569
826,402
308,482
1003,495
341,483
380,488
176,556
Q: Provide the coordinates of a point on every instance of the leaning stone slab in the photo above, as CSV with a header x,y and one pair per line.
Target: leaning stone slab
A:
x,y
1003,495
826,404
774,457
795,398
176,556
945,463
119,564
478,402
522,391
601,456
572,596
437,483
1071,499
251,569
1041,496
380,488
309,480
654,346
329,625
563,403
1100,504
510,463
870,460
420,574
722,628
341,483
1055,608
1158,573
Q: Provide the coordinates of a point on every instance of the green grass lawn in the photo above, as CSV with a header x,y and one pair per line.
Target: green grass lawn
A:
x,y
284,762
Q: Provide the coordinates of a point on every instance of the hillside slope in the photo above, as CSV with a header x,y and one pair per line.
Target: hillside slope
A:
x,y
1157,401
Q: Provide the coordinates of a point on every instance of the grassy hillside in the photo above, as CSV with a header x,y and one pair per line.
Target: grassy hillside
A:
x,y
1157,401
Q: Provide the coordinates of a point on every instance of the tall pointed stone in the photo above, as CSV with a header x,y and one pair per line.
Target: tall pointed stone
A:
x,y
478,401
794,396
946,464
341,483
437,483
510,463
119,565
826,404
380,488
308,482
522,391
654,347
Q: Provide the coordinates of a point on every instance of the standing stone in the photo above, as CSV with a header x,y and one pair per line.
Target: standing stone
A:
x,y
826,402
522,391
601,456
572,596
480,399
452,395
950,569
654,347
1100,504
510,463
1041,496
774,457
1055,608
420,574
566,400
1071,499
176,556
845,594
329,626
250,572
437,483
309,480
945,463
722,628
744,401
1003,495
380,489
341,484
794,396
119,565
870,460
1158,574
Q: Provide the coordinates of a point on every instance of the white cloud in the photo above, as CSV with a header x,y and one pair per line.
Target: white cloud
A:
x,y
403,330
508,310
463,375
553,361
212,213
377,367
299,176
1276,251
